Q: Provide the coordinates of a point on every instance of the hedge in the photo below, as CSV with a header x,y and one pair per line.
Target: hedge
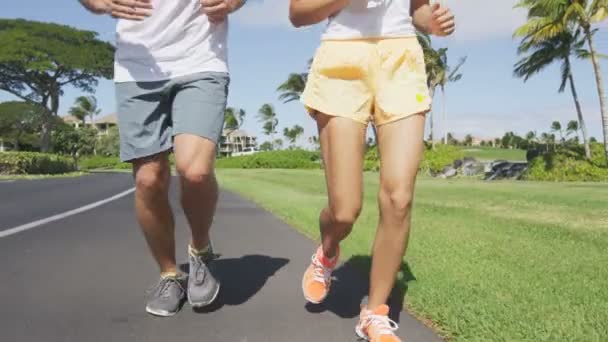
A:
x,y
100,162
288,159
568,164
33,163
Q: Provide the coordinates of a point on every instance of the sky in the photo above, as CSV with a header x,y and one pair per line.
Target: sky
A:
x,y
264,49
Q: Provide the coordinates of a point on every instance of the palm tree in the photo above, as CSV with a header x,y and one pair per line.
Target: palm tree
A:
x,y
557,49
233,119
454,76
268,117
314,141
468,140
436,69
85,106
292,134
556,127
572,128
550,18
293,87
531,137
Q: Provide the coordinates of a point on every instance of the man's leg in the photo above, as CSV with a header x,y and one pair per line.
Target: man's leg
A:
x,y
198,118
342,145
401,145
194,160
153,210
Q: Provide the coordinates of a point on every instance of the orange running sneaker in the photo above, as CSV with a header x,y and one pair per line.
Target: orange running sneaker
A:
x,y
375,326
317,278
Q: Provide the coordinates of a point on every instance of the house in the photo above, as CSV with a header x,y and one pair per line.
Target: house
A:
x,y
102,124
72,121
236,142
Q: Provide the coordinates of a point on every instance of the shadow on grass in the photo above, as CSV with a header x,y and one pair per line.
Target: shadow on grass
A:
x,y
240,278
351,285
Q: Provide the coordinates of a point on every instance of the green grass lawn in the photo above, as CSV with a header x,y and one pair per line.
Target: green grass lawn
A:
x,y
492,153
504,261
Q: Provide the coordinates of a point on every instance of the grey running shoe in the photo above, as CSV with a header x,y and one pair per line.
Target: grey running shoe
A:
x,y
166,297
203,287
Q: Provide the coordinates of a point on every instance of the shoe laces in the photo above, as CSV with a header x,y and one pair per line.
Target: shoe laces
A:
x,y
163,287
382,324
321,273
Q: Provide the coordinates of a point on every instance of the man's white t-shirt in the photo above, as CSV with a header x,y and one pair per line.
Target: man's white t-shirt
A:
x,y
177,40
371,19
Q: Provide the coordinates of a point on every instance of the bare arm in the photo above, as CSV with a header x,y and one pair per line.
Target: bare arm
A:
x,y
96,6
432,19
421,15
309,12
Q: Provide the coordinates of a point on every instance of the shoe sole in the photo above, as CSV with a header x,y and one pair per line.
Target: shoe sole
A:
x,y
315,302
361,336
160,313
207,303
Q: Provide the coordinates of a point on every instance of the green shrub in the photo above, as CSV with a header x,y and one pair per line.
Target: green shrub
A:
x,y
101,162
566,165
288,159
443,155
33,163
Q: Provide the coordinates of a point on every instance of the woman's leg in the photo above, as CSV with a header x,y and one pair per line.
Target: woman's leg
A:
x,y
342,147
401,146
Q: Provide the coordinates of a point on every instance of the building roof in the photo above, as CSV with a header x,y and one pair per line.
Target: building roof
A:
x,y
108,119
70,119
237,133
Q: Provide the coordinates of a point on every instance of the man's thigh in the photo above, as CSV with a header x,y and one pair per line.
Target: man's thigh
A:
x,y
198,118
144,119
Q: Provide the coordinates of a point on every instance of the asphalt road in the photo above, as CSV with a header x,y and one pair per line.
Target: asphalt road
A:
x,y
84,277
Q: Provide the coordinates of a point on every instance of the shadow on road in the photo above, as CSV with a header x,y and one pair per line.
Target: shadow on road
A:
x,y
350,287
241,278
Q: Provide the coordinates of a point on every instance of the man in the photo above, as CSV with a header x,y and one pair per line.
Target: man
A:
x,y
171,78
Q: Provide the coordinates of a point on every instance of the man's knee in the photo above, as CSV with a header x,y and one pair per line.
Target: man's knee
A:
x,y
152,177
195,174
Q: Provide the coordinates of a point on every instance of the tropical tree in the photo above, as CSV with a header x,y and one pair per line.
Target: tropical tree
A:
x,y
436,68
38,60
85,106
572,128
293,87
233,119
453,75
278,144
266,146
268,117
314,141
556,127
19,121
468,140
550,18
74,142
292,134
530,137
558,49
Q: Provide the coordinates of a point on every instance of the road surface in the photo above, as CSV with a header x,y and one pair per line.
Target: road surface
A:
x,y
84,277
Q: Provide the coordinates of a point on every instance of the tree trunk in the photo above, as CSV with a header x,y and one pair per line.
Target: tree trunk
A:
x,y
47,122
579,113
45,134
432,94
600,87
444,119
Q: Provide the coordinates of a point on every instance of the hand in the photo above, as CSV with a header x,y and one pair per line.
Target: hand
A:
x,y
217,10
442,21
130,9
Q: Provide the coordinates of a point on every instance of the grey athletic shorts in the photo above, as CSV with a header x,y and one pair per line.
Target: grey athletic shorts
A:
x,y
150,114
